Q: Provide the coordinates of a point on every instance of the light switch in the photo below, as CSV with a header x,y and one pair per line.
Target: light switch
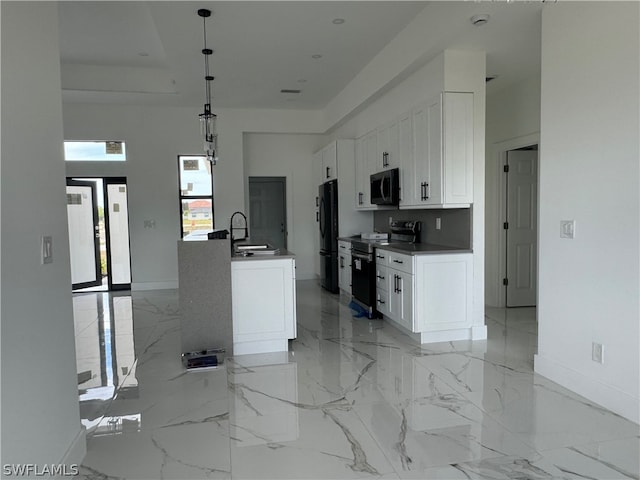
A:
x,y
567,228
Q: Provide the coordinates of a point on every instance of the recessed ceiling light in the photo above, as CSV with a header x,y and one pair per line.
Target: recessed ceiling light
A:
x,y
143,54
338,21
302,80
287,90
480,19
316,56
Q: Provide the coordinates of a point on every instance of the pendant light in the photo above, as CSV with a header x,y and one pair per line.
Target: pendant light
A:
x,y
207,118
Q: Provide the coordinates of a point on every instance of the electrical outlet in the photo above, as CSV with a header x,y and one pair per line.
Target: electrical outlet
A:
x,y
438,223
46,251
597,352
567,228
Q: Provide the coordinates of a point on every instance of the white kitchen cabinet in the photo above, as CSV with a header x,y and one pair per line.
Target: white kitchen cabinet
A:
x,y
429,296
264,304
382,289
330,162
366,158
440,172
337,162
400,287
387,156
443,292
405,155
344,266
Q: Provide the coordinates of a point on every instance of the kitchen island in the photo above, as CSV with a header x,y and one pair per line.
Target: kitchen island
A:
x,y
243,303
263,294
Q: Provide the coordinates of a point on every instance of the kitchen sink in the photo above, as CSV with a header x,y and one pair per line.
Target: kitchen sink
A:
x,y
247,249
252,246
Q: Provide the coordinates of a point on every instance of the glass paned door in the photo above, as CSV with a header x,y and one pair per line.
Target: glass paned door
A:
x,y
119,258
84,236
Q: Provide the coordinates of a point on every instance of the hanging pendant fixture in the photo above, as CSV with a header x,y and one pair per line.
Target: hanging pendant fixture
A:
x,y
208,118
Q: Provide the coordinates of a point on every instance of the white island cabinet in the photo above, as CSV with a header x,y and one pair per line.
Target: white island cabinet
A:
x,y
264,303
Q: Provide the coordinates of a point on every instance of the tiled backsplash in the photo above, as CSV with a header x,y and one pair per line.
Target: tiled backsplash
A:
x,y
455,224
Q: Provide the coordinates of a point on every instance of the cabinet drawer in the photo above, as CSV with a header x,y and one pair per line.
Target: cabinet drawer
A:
x,y
381,256
401,262
344,247
382,302
382,277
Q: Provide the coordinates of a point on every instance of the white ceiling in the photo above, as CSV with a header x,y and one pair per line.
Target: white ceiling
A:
x,y
150,52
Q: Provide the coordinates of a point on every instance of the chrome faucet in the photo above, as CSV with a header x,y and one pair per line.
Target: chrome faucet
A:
x,y
232,228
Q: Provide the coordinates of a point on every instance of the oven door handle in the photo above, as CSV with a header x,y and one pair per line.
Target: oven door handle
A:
x,y
362,256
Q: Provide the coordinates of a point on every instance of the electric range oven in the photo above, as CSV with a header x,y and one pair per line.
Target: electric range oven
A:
x,y
363,265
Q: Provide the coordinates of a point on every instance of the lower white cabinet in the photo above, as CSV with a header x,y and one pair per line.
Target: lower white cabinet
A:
x,y
382,289
443,292
344,266
429,295
264,304
401,298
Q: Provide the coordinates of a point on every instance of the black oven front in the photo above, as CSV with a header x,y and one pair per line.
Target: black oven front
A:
x,y
363,279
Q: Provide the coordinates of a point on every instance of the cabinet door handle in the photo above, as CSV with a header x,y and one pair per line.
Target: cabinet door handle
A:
x,y
399,284
317,216
317,201
397,261
395,283
328,171
380,256
360,201
341,262
381,301
380,277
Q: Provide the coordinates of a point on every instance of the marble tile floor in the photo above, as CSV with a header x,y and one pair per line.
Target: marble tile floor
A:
x,y
353,398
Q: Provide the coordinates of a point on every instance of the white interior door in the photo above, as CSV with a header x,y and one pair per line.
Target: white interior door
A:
x,y
522,214
84,237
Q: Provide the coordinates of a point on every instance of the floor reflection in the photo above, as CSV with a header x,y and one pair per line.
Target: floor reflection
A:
x,y
353,398
105,355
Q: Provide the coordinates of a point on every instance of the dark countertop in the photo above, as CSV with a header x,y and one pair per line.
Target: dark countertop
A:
x,y
422,248
409,248
282,253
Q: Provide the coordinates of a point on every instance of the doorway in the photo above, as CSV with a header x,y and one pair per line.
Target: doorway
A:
x,y
98,222
268,210
521,226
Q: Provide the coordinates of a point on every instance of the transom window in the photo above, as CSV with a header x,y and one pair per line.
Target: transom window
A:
x,y
94,151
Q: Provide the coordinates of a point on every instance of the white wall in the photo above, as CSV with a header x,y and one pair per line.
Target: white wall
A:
x,y
155,136
513,121
290,156
40,413
589,171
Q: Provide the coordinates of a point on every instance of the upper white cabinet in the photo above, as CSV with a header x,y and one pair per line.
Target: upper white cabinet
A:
x,y
366,162
439,171
329,161
387,147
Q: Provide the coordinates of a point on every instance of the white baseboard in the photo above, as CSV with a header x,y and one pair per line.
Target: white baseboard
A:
x,y
608,396
77,450
479,332
141,286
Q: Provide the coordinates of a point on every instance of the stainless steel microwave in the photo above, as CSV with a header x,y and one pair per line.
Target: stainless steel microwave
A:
x,y
385,187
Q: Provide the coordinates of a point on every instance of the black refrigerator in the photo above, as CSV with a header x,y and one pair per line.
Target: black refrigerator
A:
x,y
328,222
